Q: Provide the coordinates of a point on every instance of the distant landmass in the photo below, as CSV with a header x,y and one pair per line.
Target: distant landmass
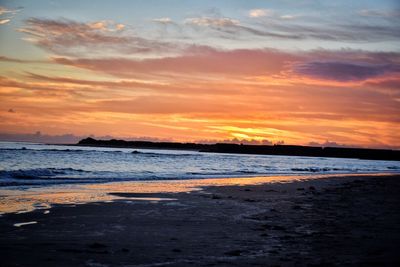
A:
x,y
283,150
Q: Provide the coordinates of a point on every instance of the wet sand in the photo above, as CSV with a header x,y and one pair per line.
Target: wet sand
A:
x,y
338,221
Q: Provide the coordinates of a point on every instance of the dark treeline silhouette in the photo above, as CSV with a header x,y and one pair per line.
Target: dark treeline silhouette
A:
x,y
287,150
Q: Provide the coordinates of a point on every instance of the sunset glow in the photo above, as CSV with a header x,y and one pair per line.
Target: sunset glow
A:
x,y
204,71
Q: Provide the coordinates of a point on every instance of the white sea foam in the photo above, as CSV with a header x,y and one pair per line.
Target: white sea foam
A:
x,y
24,223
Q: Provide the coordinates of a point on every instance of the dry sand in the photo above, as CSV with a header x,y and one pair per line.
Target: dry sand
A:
x,y
339,221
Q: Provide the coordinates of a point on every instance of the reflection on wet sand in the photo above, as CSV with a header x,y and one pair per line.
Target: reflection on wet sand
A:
x,y
17,200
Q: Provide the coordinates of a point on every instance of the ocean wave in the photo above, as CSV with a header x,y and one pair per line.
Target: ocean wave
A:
x,y
44,150
126,150
222,173
44,173
314,169
156,154
70,150
393,168
50,181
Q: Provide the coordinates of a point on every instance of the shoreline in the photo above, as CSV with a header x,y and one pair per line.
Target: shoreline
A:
x,y
21,200
332,221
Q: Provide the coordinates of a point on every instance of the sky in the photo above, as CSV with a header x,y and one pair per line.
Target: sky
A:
x,y
263,72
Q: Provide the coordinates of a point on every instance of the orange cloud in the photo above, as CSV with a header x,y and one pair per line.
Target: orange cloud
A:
x,y
199,92
203,109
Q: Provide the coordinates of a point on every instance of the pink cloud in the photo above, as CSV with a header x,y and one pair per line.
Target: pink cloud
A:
x,y
195,60
339,66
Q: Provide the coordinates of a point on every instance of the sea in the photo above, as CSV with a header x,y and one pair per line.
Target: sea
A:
x,y
25,165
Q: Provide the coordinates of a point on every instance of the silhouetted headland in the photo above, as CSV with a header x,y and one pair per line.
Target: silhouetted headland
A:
x,y
283,150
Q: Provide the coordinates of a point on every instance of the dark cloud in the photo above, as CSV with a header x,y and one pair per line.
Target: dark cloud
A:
x,y
70,38
16,60
334,31
263,33
67,37
344,71
230,26
8,59
324,29
380,13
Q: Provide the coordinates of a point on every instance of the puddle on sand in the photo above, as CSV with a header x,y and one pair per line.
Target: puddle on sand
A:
x,y
14,200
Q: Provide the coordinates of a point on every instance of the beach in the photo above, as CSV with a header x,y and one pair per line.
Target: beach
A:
x,y
331,221
199,133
